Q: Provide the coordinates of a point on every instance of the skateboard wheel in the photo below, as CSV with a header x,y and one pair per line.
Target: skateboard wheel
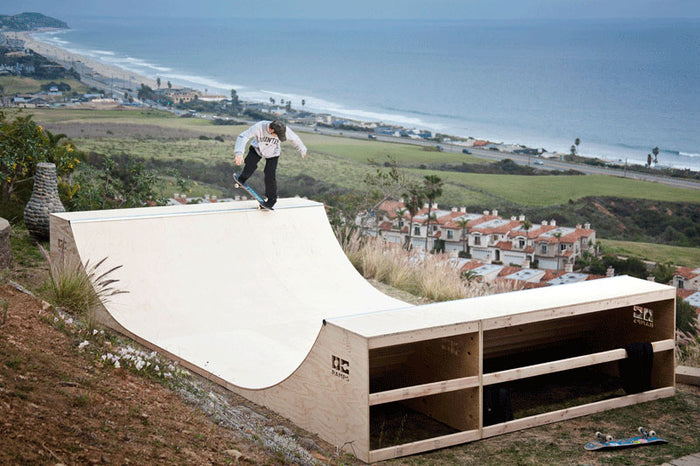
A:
x,y
640,430
652,433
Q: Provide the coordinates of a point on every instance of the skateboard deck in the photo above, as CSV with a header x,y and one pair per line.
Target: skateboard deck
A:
x,y
252,192
646,438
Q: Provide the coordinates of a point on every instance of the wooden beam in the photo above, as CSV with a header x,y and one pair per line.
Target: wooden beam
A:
x,y
567,364
423,445
688,375
577,411
416,391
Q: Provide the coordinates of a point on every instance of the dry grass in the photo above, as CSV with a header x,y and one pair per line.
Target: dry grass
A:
x,y
432,276
79,290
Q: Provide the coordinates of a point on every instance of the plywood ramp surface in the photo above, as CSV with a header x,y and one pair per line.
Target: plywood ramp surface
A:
x,y
236,291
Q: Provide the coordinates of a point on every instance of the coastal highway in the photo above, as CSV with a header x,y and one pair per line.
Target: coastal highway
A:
x,y
540,163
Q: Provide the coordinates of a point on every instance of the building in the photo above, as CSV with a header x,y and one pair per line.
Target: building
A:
x,y
486,237
686,278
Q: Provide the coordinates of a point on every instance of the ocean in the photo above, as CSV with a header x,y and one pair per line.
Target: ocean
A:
x,y
621,86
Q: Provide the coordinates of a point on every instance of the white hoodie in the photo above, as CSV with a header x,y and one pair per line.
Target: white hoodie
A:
x,y
265,143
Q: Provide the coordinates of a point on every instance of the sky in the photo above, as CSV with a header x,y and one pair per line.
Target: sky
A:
x,y
364,9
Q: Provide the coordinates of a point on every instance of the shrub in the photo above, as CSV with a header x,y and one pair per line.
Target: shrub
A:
x,y
77,289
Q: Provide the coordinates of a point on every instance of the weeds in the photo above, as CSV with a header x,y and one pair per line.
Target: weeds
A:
x,y
432,276
79,289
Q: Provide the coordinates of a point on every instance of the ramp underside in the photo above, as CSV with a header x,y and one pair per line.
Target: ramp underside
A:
x,y
236,291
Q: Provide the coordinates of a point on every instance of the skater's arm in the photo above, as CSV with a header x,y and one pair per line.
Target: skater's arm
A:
x,y
296,141
244,137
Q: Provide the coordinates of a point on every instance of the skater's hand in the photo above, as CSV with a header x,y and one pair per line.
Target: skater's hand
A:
x,y
238,159
303,155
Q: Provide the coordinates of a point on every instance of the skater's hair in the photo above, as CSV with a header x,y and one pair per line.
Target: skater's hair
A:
x,y
280,129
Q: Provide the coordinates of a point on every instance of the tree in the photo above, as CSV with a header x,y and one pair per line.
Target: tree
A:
x,y
526,226
114,184
399,214
655,151
433,189
158,82
303,102
235,103
649,160
170,85
145,93
573,149
414,202
463,223
272,101
23,144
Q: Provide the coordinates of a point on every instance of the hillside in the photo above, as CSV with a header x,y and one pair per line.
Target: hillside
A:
x,y
29,22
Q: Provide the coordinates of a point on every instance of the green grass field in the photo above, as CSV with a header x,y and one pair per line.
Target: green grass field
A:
x,y
343,161
689,257
19,85
556,190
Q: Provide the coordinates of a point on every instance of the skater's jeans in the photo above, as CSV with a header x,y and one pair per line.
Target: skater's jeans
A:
x,y
251,164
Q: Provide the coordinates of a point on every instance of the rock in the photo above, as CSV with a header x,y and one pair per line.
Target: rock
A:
x,y
235,454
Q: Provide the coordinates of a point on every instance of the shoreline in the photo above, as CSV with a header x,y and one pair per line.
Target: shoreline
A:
x,y
119,80
94,71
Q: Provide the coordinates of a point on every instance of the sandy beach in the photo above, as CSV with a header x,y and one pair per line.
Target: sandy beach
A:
x,y
93,72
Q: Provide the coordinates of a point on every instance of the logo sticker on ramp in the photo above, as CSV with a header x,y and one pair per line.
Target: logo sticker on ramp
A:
x,y
340,368
643,316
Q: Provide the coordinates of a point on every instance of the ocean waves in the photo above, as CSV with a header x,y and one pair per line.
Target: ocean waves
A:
x,y
506,84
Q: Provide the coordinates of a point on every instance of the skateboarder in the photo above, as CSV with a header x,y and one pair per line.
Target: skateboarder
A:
x,y
267,136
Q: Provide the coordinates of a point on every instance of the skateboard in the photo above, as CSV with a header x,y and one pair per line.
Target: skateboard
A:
x,y
606,442
252,192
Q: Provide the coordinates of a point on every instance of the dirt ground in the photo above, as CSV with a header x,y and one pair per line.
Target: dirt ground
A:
x,y
58,405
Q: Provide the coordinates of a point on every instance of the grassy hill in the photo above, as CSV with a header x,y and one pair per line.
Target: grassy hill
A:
x,y
618,208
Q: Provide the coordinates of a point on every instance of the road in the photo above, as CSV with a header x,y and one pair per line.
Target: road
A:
x,y
540,163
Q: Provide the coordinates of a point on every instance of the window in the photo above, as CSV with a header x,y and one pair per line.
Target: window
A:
x,y
416,231
562,247
521,243
544,249
477,240
450,234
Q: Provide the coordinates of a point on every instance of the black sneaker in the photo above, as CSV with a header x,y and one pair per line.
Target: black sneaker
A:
x,y
269,204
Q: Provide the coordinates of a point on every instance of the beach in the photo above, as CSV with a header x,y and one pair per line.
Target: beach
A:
x,y
93,72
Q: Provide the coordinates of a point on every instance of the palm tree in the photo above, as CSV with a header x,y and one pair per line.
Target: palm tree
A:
x,y
655,151
463,222
158,82
400,212
414,202
577,142
526,226
433,189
